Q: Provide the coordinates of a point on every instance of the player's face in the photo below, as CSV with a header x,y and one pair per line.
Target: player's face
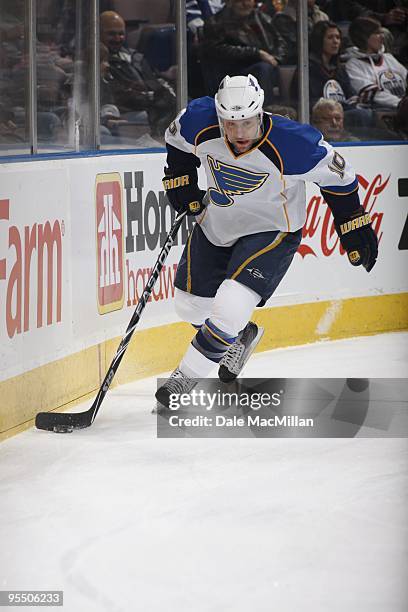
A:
x,y
242,134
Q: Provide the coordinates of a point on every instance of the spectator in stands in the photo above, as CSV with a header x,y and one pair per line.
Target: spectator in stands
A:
x,y
241,39
328,118
376,77
134,85
325,66
328,77
392,14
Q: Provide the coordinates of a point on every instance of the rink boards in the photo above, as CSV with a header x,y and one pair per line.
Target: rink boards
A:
x,y
78,238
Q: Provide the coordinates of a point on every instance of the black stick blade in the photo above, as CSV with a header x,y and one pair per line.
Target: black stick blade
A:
x,y
63,422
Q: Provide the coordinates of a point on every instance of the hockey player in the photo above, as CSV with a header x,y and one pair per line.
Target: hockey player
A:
x,y
249,221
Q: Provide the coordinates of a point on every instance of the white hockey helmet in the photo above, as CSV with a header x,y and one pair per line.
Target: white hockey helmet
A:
x,y
239,97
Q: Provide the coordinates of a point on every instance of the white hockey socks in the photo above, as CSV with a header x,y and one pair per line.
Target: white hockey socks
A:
x,y
230,311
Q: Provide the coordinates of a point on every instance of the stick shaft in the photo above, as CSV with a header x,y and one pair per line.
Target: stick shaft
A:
x,y
64,422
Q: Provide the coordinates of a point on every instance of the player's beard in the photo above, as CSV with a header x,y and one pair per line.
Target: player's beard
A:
x,y
243,144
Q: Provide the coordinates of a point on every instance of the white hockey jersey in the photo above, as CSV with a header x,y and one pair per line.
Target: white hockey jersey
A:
x,y
379,79
262,189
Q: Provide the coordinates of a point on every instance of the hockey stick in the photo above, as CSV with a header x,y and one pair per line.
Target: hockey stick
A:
x,y
65,422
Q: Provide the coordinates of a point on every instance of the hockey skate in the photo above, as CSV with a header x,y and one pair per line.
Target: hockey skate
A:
x,y
177,384
238,354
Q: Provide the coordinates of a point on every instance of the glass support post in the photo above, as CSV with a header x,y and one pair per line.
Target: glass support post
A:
x,y
32,76
181,42
303,61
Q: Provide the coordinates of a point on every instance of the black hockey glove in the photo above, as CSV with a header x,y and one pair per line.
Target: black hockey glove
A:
x,y
183,192
358,238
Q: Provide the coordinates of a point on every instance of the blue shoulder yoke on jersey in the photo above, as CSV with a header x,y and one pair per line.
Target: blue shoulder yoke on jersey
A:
x,y
200,114
297,145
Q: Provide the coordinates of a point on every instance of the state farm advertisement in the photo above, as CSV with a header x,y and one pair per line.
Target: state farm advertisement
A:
x,y
35,283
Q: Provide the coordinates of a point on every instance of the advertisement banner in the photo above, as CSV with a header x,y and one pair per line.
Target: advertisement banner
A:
x,y
35,270
79,238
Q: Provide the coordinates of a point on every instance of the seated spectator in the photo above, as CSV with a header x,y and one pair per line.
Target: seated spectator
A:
x,y
328,118
392,14
133,84
241,39
376,77
328,77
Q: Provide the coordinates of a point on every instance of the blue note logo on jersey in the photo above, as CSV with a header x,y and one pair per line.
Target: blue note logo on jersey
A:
x,y
232,181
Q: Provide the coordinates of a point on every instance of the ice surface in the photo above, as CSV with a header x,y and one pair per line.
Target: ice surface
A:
x,y
122,521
